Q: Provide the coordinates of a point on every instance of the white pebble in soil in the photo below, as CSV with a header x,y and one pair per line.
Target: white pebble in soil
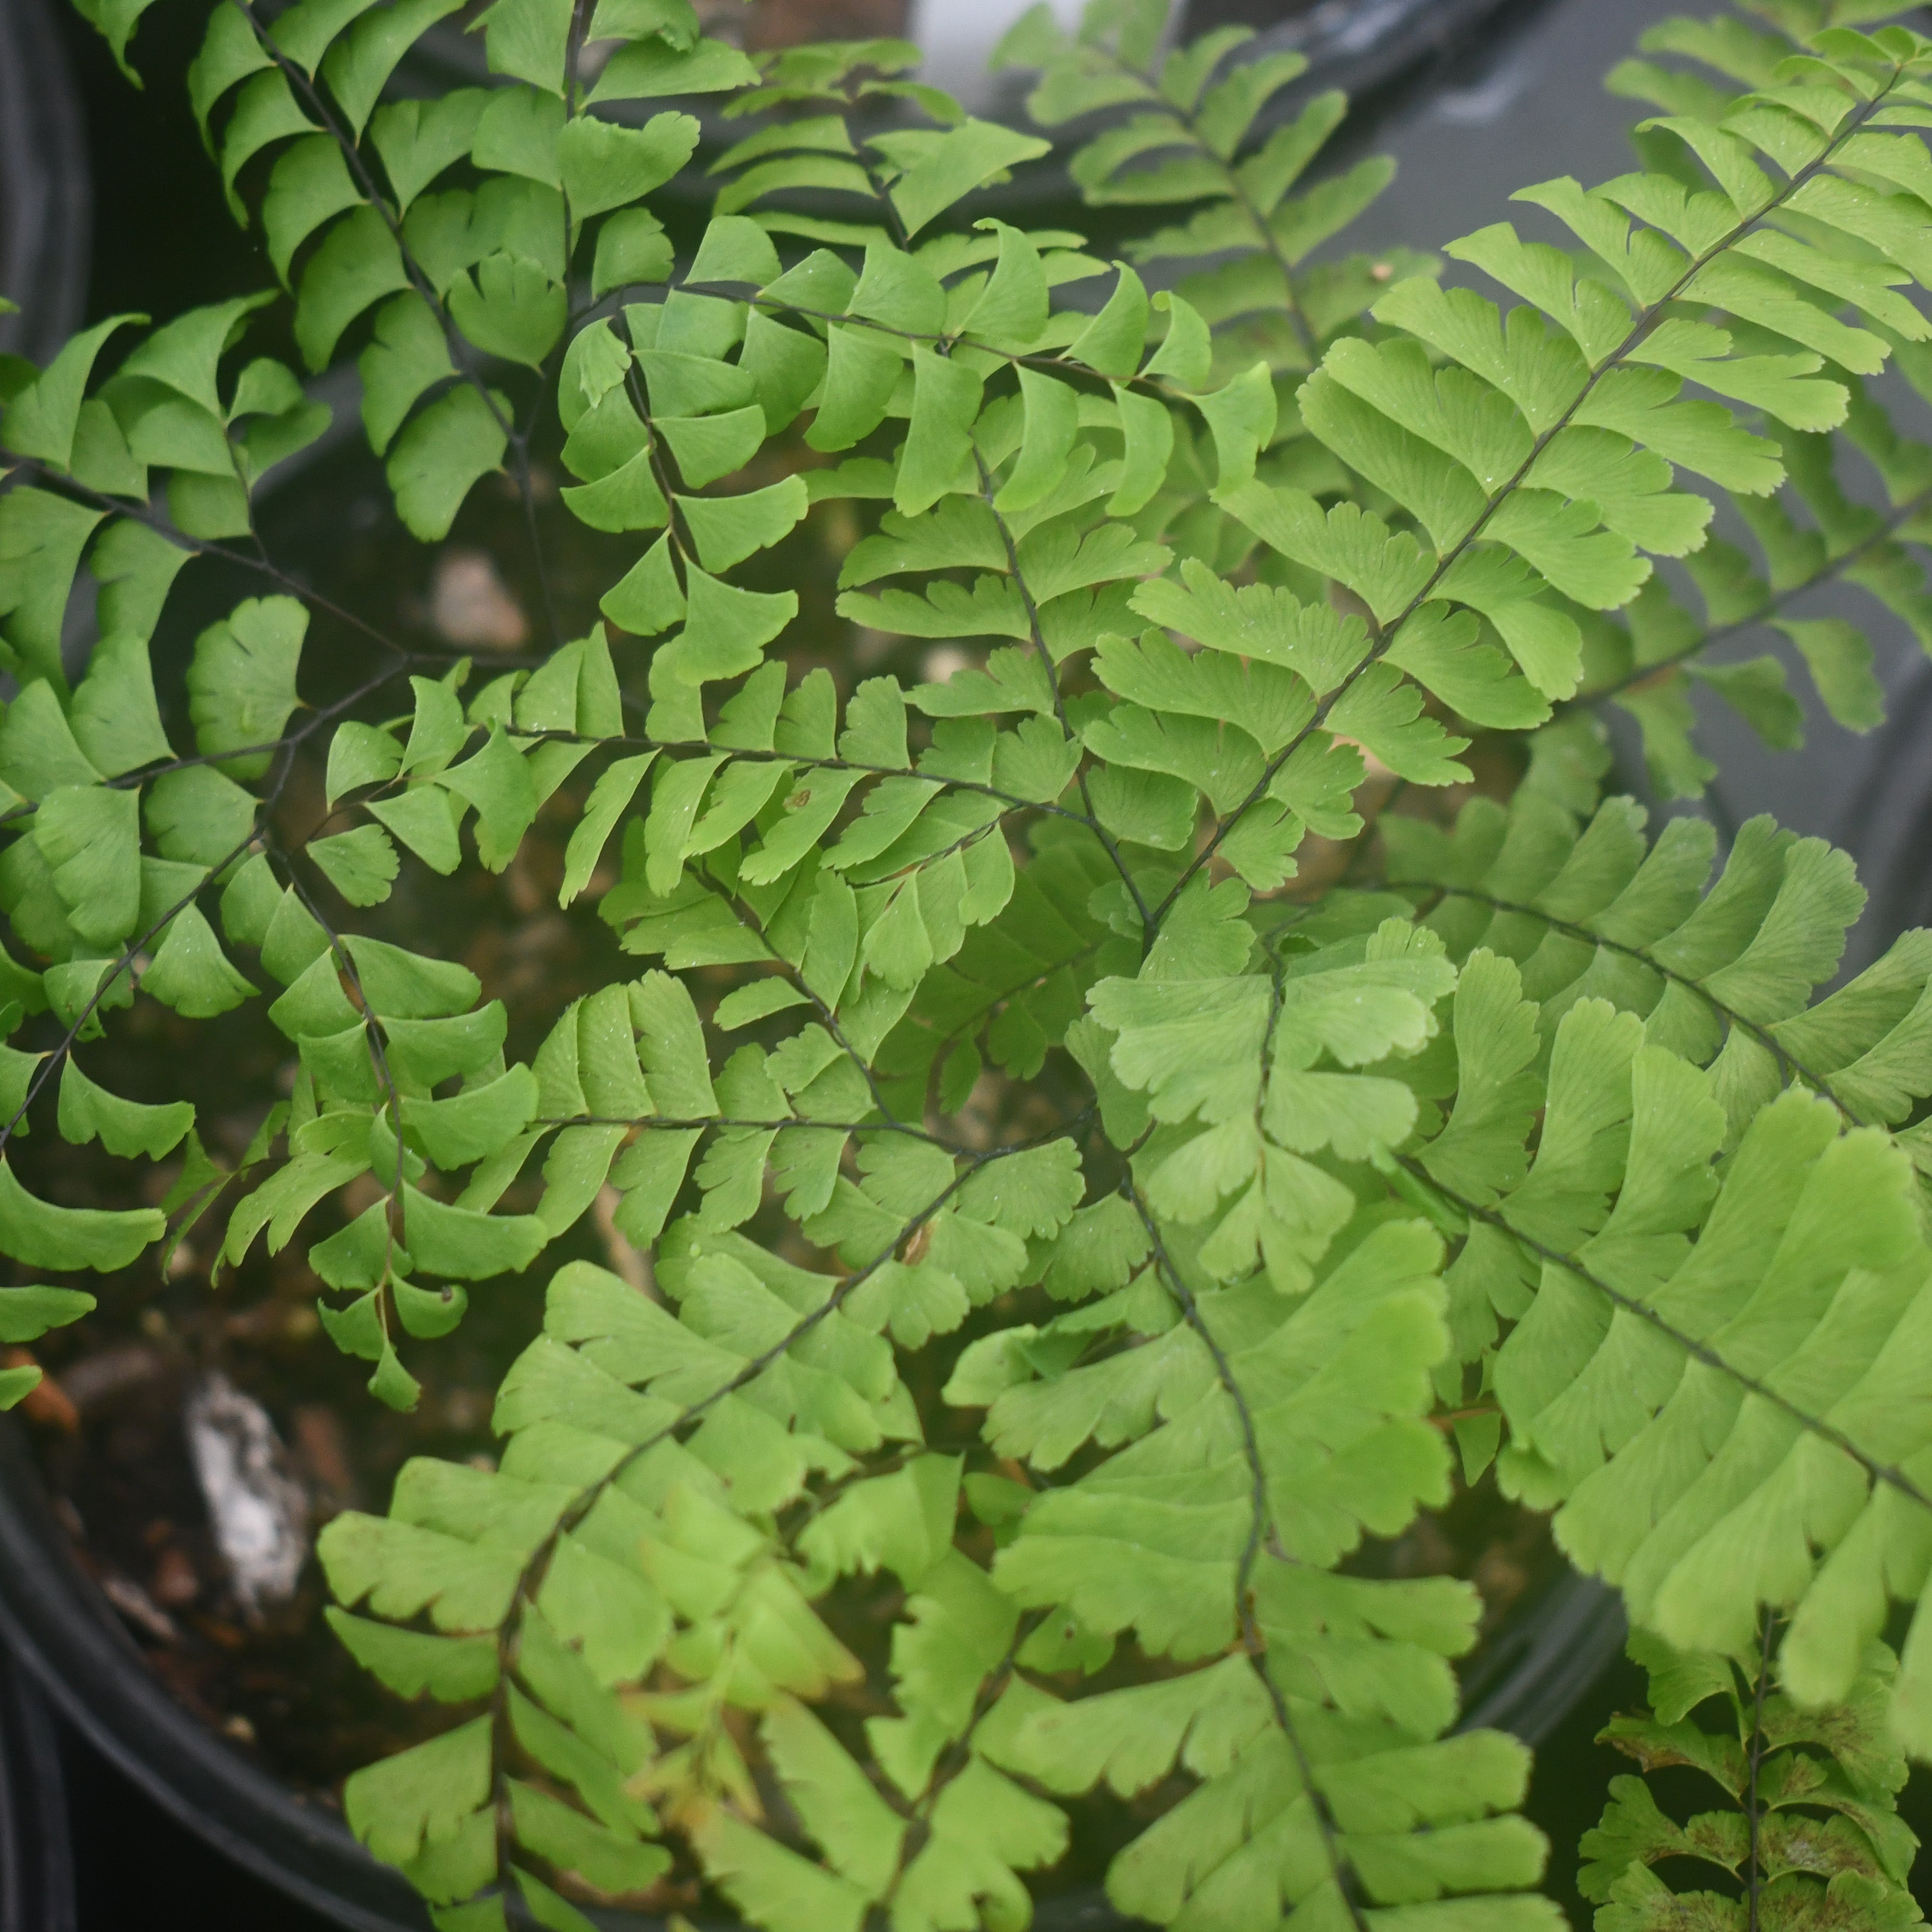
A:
x,y
470,606
258,1512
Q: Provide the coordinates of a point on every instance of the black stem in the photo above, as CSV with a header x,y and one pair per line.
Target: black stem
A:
x,y
1254,1644
202,546
1819,1082
1832,569
1754,1820
1887,1473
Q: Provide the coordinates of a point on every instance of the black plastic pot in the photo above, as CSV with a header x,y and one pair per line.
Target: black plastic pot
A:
x,y
45,205
1356,44
36,1860
1376,51
1359,45
57,1624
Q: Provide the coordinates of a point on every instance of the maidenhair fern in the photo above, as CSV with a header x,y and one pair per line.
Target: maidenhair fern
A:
x,y
1103,1141
1808,1832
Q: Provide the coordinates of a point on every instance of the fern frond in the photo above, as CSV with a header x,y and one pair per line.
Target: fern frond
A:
x,y
628,1534
1814,1836
1704,1415
1263,1438
1596,911
1790,286
1477,453
1068,1248
1189,142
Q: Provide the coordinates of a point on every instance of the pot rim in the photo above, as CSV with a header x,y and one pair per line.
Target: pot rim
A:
x,y
56,1622
36,1891
46,203
1371,49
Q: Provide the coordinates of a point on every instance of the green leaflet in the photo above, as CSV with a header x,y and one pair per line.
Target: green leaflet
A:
x,y
125,1127
1707,1716
42,1235
360,865
413,1801
605,166
241,686
450,1669
116,719
434,463
89,838
1238,1746
1180,145
1630,1333
42,538
1593,911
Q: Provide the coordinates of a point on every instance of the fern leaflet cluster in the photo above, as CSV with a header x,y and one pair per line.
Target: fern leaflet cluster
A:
x,y
1526,1140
